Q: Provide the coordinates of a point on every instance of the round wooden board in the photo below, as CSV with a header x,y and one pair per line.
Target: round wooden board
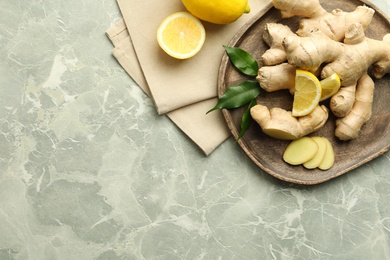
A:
x,y
266,152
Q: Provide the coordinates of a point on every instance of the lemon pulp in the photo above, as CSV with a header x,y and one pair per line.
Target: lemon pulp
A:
x,y
181,35
307,93
330,86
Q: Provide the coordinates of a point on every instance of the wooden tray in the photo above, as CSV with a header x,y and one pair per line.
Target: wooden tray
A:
x,y
266,152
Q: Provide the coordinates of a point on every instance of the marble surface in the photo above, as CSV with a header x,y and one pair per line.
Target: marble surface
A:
x,y
88,170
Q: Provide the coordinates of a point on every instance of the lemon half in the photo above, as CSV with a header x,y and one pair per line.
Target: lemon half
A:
x,y
181,35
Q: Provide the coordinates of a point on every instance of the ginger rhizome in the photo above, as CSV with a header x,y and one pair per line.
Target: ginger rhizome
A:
x,y
350,61
273,78
348,127
316,18
279,123
313,18
273,36
312,48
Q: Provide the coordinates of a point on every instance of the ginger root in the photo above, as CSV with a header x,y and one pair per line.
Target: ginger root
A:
x,y
382,67
348,127
273,78
350,61
316,18
280,124
325,43
273,36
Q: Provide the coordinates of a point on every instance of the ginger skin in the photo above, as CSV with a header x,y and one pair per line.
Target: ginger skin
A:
x,y
325,43
341,102
273,78
350,61
348,127
280,124
311,52
382,67
353,102
273,36
314,18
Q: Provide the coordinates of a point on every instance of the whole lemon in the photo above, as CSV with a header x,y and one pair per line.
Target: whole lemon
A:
x,y
217,11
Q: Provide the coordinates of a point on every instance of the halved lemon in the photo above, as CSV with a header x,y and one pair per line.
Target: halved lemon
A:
x,y
307,93
181,35
330,86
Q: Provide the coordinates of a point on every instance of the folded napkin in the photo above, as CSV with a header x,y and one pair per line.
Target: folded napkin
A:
x,y
177,83
207,131
182,89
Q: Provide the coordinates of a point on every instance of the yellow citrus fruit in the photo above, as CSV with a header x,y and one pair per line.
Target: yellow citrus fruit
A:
x,y
330,86
217,11
307,93
181,35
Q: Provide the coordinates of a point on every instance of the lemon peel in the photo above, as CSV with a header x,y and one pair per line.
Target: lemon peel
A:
x,y
217,11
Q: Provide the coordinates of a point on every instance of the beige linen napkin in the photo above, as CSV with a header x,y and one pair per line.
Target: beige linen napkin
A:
x,y
177,83
184,90
207,131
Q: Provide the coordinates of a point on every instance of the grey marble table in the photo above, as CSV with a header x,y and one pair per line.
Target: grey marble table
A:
x,y
88,170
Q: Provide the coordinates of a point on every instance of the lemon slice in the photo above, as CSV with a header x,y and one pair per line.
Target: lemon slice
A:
x,y
307,93
330,86
181,35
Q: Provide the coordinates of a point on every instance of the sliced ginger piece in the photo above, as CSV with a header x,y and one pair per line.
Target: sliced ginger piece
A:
x,y
328,160
319,156
312,152
300,151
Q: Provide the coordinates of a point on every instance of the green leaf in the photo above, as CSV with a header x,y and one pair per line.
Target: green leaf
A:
x,y
238,95
242,60
246,119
